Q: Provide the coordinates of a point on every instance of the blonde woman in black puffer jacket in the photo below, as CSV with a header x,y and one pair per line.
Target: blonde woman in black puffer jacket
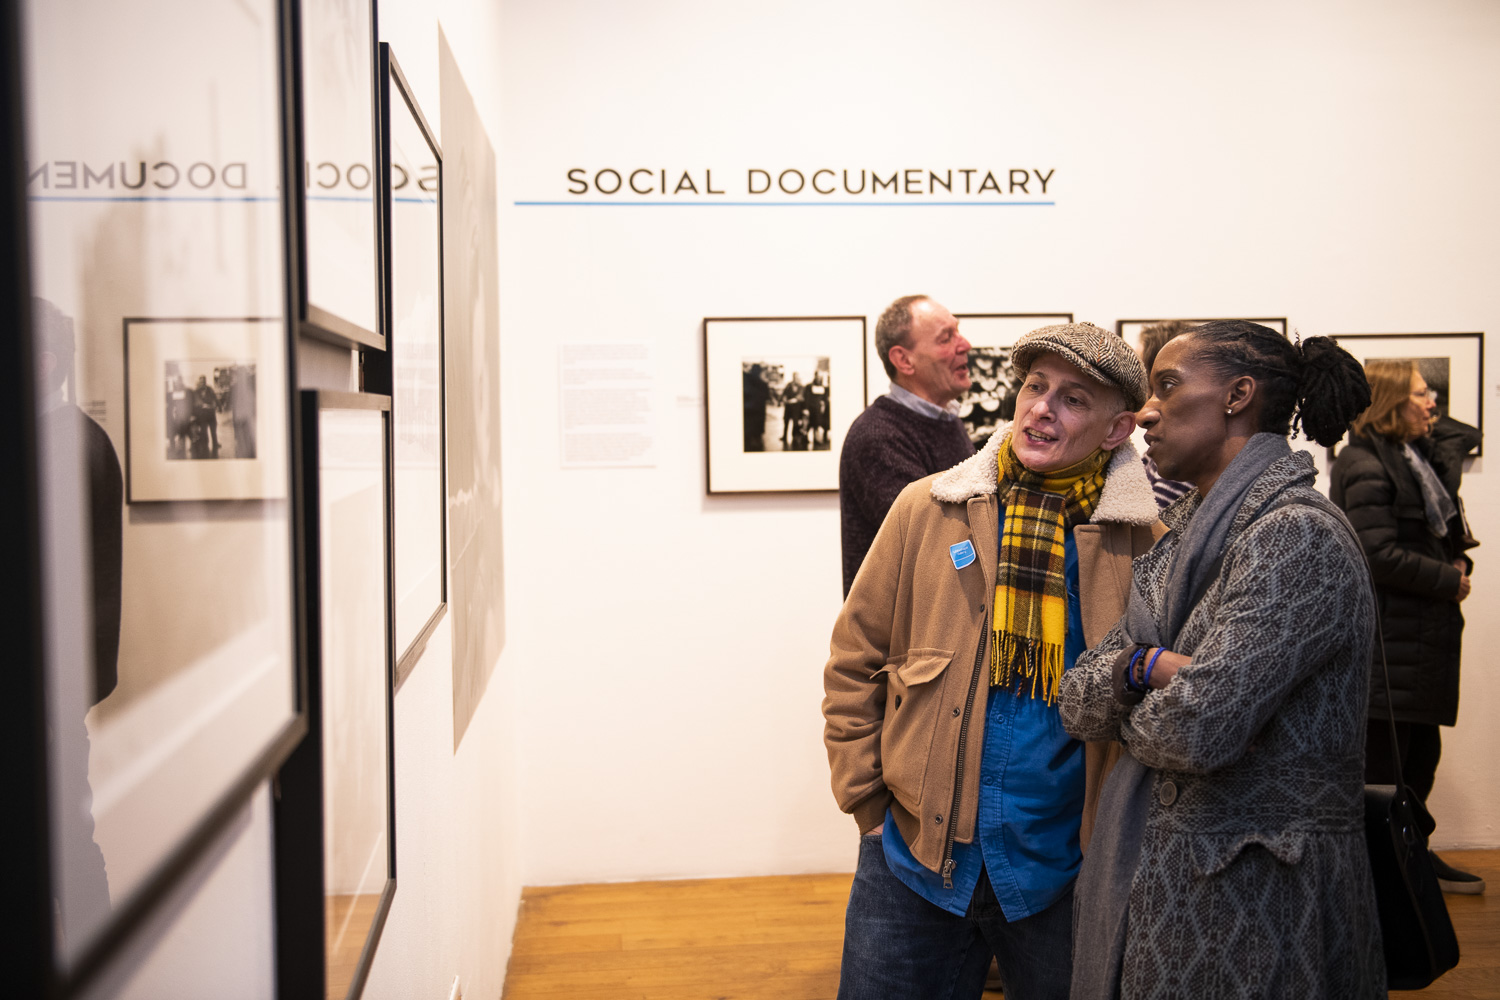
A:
x,y
1398,483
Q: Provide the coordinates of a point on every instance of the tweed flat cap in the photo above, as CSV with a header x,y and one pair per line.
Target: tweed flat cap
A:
x,y
1100,355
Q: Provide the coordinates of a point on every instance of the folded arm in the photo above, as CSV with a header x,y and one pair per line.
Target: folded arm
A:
x,y
1293,597
1086,699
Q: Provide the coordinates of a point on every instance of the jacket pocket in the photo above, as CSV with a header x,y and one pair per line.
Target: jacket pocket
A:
x,y
914,683
1214,852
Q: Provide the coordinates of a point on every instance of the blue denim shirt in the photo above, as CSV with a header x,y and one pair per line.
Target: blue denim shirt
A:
x,y
1030,800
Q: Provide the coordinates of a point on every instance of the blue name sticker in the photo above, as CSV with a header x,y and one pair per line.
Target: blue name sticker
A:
x,y
962,554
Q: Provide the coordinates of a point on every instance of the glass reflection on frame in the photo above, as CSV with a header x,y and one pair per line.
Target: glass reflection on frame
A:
x,y
154,195
354,681
338,134
413,180
194,426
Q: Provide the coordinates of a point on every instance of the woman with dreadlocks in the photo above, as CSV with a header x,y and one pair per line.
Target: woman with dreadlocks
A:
x,y
1228,859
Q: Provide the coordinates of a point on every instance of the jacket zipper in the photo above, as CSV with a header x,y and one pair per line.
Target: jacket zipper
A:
x,y
963,741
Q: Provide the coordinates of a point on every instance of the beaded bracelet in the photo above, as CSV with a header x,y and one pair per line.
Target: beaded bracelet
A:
x,y
1130,682
1146,680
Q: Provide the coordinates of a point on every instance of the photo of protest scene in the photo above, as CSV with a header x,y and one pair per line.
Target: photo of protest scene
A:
x,y
210,409
991,399
786,403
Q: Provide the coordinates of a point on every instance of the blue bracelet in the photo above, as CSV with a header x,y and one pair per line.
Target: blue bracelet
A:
x,y
1130,684
1146,680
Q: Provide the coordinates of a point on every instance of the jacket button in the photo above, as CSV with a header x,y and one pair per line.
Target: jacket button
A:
x,y
938,818
1167,793
957,711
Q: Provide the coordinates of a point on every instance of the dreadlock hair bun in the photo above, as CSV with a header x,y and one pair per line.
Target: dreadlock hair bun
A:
x,y
1318,382
1333,390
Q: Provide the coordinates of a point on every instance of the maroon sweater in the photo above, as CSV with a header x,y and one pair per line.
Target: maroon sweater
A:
x,y
887,447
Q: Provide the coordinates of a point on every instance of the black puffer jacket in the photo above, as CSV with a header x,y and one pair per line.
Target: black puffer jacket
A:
x,y
1414,571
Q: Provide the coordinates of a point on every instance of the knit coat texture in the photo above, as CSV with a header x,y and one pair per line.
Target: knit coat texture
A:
x,y
1253,878
888,447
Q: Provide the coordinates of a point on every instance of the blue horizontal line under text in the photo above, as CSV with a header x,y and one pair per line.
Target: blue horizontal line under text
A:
x,y
214,198
786,204
64,197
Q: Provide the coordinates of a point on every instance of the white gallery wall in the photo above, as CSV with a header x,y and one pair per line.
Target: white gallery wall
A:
x,y
655,712
457,814
1328,161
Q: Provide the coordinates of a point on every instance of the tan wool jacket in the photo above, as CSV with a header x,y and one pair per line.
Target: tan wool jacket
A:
x,y
907,669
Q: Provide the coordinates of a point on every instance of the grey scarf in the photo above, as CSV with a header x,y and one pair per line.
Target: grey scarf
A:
x,y
1439,505
1101,902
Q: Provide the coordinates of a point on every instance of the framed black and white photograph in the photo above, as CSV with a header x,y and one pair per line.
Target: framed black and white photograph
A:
x,y
196,425
993,382
1131,329
781,394
340,301
412,196
335,819
1452,364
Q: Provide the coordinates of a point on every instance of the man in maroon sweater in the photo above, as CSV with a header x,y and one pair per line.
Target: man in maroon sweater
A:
x,y
911,432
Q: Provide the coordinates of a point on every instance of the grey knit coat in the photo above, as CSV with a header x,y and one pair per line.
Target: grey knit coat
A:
x,y
1253,879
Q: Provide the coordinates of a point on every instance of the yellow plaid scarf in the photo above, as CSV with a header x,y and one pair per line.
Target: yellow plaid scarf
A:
x,y
1031,600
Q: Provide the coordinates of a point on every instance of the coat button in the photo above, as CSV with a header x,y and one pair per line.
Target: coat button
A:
x,y
957,711
1167,793
938,818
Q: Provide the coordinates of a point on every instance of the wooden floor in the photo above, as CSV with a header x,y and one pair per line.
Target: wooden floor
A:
x,y
346,925
779,937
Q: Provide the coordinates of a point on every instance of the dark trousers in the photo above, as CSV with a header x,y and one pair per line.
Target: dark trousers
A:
x,y
755,429
898,946
1421,746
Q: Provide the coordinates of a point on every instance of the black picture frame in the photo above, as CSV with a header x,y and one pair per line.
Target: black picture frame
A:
x,y
1462,400
835,348
400,112
1130,329
302,960
28,945
28,879
323,95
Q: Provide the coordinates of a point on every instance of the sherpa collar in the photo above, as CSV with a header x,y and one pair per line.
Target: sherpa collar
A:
x,y
1127,494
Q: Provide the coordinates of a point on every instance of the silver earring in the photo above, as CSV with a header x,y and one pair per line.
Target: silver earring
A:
x,y
1229,412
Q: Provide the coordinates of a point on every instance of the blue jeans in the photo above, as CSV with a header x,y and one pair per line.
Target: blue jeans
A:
x,y
898,946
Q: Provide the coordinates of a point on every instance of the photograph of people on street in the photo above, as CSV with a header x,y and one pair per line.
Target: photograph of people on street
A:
x,y
786,404
210,407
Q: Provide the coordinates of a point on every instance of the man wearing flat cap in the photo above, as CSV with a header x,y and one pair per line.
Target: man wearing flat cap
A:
x,y
982,586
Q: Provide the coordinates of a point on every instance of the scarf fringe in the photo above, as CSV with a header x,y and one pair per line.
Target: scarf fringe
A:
x,y
1031,602
1016,659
